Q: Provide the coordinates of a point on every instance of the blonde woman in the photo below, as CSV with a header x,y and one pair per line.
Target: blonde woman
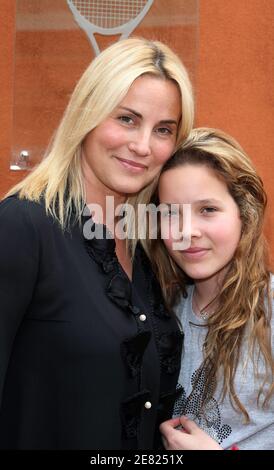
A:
x,y
82,349
223,293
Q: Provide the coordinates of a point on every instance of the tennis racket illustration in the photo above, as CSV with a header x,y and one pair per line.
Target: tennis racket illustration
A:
x,y
108,17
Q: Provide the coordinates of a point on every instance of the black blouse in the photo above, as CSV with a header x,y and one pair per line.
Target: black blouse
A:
x,y
88,359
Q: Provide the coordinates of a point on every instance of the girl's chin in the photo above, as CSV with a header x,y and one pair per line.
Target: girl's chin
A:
x,y
199,275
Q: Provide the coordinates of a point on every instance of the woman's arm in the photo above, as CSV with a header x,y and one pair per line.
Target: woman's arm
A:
x,y
19,250
184,434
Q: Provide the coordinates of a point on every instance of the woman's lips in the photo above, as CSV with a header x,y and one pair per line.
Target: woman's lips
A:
x,y
131,165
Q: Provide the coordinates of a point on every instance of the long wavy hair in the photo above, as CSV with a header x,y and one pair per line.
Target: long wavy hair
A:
x,y
244,302
58,178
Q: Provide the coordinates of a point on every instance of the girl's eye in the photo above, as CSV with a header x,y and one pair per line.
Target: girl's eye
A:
x,y
208,210
170,213
126,119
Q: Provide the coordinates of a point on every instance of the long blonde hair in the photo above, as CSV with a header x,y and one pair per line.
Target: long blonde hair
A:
x,y
58,178
242,300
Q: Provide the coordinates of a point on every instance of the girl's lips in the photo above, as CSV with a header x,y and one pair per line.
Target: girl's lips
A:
x,y
131,165
195,253
195,250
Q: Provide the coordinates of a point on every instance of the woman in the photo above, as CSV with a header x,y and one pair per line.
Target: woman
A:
x,y
85,346
223,292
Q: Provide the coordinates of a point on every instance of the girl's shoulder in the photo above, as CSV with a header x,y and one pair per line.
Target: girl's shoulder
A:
x,y
272,291
184,303
272,281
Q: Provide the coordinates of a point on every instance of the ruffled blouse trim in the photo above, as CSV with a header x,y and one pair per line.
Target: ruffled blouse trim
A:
x,y
119,291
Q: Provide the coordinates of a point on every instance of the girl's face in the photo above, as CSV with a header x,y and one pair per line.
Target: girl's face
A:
x,y
215,220
128,149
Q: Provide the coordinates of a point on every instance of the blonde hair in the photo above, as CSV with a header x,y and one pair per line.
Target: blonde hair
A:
x,y
241,301
58,178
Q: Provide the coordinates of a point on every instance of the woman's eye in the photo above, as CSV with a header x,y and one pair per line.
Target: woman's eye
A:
x,y
126,119
164,130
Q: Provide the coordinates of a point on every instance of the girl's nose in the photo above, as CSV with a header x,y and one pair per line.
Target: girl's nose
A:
x,y
195,228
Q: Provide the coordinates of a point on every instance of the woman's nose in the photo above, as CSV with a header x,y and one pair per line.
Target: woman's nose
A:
x,y
141,144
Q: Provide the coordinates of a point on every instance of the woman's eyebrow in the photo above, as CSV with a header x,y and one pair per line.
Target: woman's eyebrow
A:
x,y
163,121
131,111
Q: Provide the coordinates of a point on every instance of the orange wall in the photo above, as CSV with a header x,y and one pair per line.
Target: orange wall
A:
x,y
7,37
235,85
234,81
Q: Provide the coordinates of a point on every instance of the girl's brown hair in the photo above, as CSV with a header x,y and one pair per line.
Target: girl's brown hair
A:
x,y
242,305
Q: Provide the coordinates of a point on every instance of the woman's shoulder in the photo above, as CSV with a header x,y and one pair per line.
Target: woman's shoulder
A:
x,y
15,204
16,212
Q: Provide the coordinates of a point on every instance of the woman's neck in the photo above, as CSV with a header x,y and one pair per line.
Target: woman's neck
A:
x,y
104,204
98,194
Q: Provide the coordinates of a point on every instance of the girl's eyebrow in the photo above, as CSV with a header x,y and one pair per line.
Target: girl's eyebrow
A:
x,y
200,201
164,121
207,201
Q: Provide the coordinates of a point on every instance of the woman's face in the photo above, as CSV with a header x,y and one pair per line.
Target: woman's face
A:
x,y
215,220
127,150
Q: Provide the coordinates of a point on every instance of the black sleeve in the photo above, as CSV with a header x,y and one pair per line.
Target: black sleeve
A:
x,y
19,255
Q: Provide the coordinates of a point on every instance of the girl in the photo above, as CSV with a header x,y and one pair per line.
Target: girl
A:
x,y
223,292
